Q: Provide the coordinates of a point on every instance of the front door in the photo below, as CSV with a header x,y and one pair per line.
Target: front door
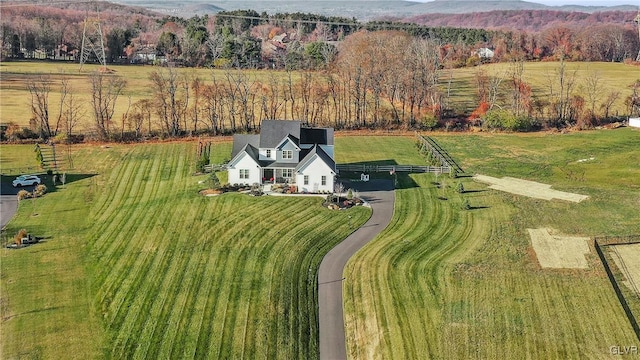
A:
x,y
268,176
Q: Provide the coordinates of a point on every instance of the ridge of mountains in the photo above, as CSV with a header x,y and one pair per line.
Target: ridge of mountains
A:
x,y
362,10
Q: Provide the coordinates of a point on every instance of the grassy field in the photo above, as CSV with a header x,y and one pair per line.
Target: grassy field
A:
x,y
15,99
612,77
441,282
138,265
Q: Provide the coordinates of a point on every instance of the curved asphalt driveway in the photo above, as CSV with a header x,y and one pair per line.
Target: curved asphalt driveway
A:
x,y
8,200
378,193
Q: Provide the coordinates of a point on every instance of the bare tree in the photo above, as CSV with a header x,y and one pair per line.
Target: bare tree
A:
x,y
196,86
39,90
140,113
168,104
215,42
593,91
105,90
213,107
64,92
607,104
561,85
72,112
125,117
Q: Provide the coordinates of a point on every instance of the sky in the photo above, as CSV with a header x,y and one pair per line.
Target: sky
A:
x,y
586,2
580,2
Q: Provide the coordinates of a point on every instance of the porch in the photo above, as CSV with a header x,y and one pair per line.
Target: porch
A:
x,y
280,175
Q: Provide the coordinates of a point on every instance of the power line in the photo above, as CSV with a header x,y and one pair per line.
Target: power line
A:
x,y
44,4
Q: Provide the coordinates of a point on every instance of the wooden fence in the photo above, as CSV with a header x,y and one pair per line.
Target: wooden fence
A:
x,y
600,243
214,167
395,168
439,153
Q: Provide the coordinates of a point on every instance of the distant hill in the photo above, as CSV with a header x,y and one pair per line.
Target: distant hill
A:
x,y
529,20
360,9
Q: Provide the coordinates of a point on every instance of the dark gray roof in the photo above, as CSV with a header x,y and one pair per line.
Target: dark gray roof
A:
x,y
322,136
321,153
273,131
274,165
291,138
251,151
241,140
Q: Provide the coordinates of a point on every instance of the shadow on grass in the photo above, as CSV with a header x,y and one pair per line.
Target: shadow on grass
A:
x,y
478,207
472,191
6,187
402,180
70,178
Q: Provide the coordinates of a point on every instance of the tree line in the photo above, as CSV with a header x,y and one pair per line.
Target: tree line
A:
x,y
248,39
380,79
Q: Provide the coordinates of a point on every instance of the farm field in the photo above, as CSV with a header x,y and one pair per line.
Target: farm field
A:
x,y
136,264
14,102
441,282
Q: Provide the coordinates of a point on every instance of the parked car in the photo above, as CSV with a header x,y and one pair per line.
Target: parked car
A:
x,y
26,180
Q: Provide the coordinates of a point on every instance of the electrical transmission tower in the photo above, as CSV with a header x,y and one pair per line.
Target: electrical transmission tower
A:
x,y
637,21
92,41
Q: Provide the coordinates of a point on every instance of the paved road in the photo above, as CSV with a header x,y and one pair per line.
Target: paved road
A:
x,y
8,200
379,193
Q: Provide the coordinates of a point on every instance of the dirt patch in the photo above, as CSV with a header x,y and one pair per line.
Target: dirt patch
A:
x,y
210,192
627,259
557,251
529,188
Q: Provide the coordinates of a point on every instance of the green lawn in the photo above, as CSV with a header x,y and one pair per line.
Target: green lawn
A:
x,y
137,264
441,282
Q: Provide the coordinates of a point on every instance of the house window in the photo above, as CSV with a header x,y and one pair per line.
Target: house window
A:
x,y
306,179
323,180
287,173
287,154
268,153
244,173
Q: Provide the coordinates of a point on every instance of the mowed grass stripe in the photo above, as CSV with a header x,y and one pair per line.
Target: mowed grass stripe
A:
x,y
196,293
118,215
128,244
177,265
170,270
119,237
411,253
127,316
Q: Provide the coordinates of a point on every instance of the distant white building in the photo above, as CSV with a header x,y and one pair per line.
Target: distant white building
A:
x,y
634,122
484,53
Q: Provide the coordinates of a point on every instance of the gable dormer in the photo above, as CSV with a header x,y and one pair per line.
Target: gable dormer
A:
x,y
287,150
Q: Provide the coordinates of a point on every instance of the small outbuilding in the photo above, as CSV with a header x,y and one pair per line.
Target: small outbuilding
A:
x,y
634,122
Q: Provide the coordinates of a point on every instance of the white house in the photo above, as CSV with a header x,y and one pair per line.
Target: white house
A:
x,y
484,53
634,122
284,152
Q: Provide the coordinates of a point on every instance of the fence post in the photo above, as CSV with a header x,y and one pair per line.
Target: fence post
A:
x,y
616,289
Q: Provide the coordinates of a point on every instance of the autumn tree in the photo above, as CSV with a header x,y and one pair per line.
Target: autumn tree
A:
x,y
116,42
105,89
169,45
